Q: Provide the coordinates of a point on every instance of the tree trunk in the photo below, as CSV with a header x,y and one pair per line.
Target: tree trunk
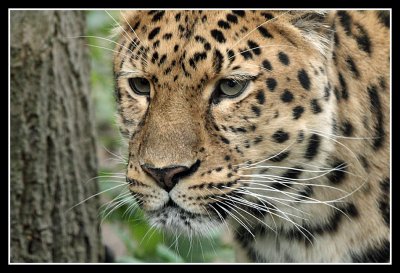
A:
x,y
53,150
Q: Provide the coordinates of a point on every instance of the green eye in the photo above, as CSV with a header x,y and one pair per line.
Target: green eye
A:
x,y
231,88
140,86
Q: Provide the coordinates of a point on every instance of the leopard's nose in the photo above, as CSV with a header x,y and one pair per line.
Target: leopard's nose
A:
x,y
166,177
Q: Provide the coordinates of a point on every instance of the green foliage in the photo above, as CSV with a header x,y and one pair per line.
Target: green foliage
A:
x,y
142,243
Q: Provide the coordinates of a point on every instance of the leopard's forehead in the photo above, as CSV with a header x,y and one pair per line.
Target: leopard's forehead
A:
x,y
193,47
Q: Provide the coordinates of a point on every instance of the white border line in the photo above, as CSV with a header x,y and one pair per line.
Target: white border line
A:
x,y
9,139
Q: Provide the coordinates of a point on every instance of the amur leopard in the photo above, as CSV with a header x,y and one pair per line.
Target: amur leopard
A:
x,y
274,125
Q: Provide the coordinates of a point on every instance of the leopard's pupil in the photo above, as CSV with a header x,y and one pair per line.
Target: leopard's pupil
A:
x,y
231,83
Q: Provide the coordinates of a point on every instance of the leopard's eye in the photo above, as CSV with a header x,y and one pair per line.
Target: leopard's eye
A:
x,y
231,88
140,86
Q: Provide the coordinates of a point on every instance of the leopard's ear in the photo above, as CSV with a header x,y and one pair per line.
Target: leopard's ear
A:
x,y
314,28
125,17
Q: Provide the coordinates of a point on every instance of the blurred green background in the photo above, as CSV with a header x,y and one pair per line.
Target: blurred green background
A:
x,y
128,234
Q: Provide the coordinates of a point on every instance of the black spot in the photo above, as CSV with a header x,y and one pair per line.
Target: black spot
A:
x,y
254,47
167,71
385,185
337,176
337,94
271,84
223,24
227,158
199,56
167,36
364,162
304,79
135,27
283,58
293,173
315,107
240,13
154,33
156,44
260,97
280,157
267,15
287,96
224,140
241,130
384,17
336,39
162,59
218,36
158,16
232,18
384,204
154,79
375,254
256,110
207,46
192,64
278,185
264,32
218,61
343,85
199,39
181,28
298,111
267,65
352,66
306,192
376,110
246,54
331,226
345,21
347,128
187,74
231,56
258,139
312,147
280,136
351,210
176,47
178,17
363,41
327,93
155,57
300,136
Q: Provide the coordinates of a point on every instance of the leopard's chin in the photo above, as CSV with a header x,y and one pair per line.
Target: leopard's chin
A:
x,y
174,219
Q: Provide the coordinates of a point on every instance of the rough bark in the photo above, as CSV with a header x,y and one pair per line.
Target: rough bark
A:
x,y
53,150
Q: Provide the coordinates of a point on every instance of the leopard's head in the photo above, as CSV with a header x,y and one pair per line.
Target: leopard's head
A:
x,y
212,102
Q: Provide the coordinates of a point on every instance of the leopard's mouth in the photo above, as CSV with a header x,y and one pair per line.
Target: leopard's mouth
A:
x,y
173,218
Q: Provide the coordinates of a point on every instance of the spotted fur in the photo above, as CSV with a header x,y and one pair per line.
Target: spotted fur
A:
x,y
297,164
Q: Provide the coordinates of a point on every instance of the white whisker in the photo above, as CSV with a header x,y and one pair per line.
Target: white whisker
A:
x,y
83,201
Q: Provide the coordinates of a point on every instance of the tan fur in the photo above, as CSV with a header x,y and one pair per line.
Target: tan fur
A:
x,y
179,125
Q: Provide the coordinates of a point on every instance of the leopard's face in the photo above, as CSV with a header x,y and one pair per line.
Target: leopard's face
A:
x,y
204,96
